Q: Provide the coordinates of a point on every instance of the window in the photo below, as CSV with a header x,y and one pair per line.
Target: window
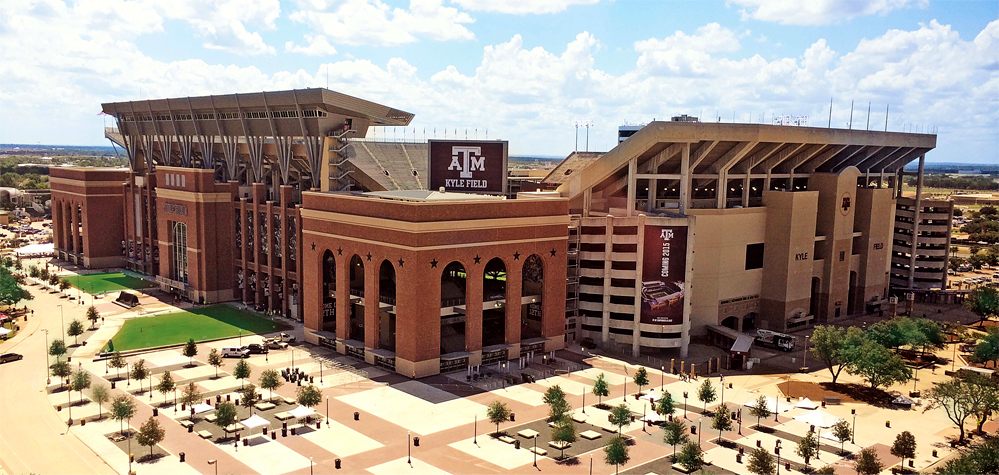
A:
x,y
178,251
754,256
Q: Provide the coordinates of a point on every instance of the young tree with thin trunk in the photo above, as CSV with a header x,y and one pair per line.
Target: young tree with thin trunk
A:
x,y
641,378
868,463
498,412
665,406
225,414
241,372
117,362
616,453
675,433
564,432
122,409
80,381
691,457
139,372
558,407
248,397
842,432
762,462
808,447
150,434
93,316
75,330
270,380
190,395
61,370
166,385
215,359
190,351
904,446
760,409
99,394
721,421
57,348
601,389
309,396
620,416
706,393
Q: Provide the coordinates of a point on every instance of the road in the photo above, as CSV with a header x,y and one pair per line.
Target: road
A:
x,y
33,436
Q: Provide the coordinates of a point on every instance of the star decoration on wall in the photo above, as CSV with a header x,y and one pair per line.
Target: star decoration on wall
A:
x,y
553,252
433,263
313,246
401,262
369,257
516,256
477,259
339,251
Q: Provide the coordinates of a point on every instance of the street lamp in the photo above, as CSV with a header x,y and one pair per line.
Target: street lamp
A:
x,y
327,411
535,451
804,358
685,404
475,429
699,422
853,433
312,463
777,452
216,464
722,383
662,378
48,377
409,448
776,407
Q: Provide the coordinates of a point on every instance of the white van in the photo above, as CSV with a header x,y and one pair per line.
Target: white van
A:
x,y
235,352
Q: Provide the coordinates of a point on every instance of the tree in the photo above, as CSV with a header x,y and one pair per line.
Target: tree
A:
x,y
57,348
616,453
150,434
878,365
641,378
808,446
691,457
706,393
674,433
842,432
225,414
888,333
166,385
33,272
93,316
761,462
833,346
99,393
117,362
11,291
498,412
904,446
982,458
53,280
80,381
139,372
63,284
953,397
190,395
248,397
601,388
760,409
75,330
558,407
983,397
987,349
309,396
565,432
43,273
868,463
122,408
984,301
190,350
620,415
270,380
215,359
665,406
61,369
721,421
242,371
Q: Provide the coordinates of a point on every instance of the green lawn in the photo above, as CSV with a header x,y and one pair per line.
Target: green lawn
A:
x,y
206,323
107,282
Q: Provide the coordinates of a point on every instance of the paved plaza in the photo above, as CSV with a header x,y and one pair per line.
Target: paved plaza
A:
x,y
392,412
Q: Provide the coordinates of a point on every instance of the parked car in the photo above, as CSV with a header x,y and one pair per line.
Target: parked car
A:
x,y
9,357
276,344
256,349
286,338
235,352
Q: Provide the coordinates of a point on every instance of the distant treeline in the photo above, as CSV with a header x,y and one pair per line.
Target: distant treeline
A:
x,y
960,182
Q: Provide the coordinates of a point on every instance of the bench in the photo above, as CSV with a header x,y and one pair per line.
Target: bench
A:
x,y
590,435
506,439
211,418
832,400
528,433
288,400
185,424
264,406
283,416
558,444
539,451
204,434
579,418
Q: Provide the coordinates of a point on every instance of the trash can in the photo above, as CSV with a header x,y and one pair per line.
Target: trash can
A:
x,y
513,417
156,412
293,431
183,456
738,458
284,432
83,421
336,463
416,441
112,385
190,429
516,444
357,416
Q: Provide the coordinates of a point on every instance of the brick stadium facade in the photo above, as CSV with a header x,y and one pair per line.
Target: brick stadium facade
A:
x,y
683,230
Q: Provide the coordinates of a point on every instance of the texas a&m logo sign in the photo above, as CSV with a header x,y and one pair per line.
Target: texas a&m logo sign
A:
x,y
467,166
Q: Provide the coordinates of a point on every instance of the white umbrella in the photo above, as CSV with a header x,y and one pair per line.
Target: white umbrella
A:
x,y
301,411
255,421
652,417
806,403
199,408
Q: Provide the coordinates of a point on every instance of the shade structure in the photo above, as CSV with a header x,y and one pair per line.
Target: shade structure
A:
x,y
199,408
255,421
652,395
36,250
818,418
805,403
301,411
652,417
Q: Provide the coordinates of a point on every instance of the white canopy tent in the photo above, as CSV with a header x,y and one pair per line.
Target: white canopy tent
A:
x,y
818,418
652,395
301,411
255,421
653,417
805,403
32,250
200,408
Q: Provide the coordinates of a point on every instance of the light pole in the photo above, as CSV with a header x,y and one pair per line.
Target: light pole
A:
x,y
685,404
62,323
915,372
662,378
327,411
535,451
312,463
409,448
953,359
853,432
699,422
625,393
722,383
804,357
216,464
48,377
777,452
776,407
584,402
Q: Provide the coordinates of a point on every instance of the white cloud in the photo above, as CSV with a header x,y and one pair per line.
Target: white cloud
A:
x,y
521,7
223,23
315,45
681,53
373,22
818,12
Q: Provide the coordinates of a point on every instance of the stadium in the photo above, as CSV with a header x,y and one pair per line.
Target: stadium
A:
x,y
414,256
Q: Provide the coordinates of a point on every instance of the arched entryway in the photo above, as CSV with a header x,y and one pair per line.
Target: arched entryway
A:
x,y
493,307
731,322
356,307
453,290
813,301
532,288
329,292
749,322
386,306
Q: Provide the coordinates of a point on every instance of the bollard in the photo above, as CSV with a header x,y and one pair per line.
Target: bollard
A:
x,y
236,402
319,425
693,429
274,435
83,421
934,453
516,444
416,441
190,429
759,444
182,457
156,412
284,432
912,463
228,397
112,384
742,451
513,417
265,430
888,424
336,463
357,416
787,466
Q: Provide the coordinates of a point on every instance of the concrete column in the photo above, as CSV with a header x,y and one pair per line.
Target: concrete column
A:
x,y
56,228
74,228
653,193
270,254
342,277
605,311
685,180
746,182
916,218
636,333
150,225
371,311
283,242
632,183
721,191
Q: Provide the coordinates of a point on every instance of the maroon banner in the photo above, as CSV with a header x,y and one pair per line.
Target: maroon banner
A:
x,y
664,262
467,166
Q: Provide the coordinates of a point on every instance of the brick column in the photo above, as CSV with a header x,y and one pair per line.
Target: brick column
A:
x,y
473,307
270,254
370,305
514,285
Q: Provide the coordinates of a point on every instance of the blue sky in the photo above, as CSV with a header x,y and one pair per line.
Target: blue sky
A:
x,y
527,71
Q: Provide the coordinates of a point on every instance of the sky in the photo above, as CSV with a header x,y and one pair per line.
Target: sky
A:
x,y
534,72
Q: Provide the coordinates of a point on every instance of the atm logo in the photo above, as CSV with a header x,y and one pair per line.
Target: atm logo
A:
x,y
467,160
